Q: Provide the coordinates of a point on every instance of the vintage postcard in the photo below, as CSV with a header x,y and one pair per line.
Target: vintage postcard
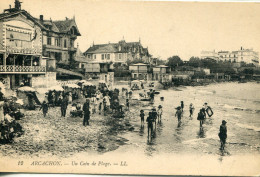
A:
x,y
130,87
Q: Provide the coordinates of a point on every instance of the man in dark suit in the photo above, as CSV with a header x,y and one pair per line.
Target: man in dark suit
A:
x,y
86,113
64,105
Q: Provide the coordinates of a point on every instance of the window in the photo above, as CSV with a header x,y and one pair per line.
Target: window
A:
x,y
72,43
120,56
108,56
89,56
65,43
103,56
94,56
48,40
57,42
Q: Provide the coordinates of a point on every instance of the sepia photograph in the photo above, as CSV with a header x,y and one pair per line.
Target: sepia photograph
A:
x,y
130,87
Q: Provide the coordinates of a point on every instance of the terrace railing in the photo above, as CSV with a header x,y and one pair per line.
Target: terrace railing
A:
x,y
22,69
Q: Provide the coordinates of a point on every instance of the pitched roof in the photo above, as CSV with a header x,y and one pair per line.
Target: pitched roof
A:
x,y
64,26
120,47
79,56
103,48
17,12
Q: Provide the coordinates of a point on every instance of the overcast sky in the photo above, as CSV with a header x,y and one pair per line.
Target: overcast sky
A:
x,y
167,28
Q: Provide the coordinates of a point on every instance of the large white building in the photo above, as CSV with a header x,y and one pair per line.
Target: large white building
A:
x,y
242,55
117,52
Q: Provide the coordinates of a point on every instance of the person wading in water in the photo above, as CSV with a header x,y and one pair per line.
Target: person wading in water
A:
x,y
159,113
201,117
223,134
150,121
154,115
182,106
191,110
142,117
178,114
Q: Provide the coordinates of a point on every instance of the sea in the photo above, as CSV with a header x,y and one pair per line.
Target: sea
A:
x,y
194,150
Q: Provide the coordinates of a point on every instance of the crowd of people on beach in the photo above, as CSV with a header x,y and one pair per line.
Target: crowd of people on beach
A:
x,y
108,102
102,102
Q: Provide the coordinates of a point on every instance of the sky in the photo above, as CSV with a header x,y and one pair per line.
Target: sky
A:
x,y
166,28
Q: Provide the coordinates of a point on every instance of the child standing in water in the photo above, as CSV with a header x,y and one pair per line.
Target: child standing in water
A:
x,y
182,106
159,113
191,109
142,117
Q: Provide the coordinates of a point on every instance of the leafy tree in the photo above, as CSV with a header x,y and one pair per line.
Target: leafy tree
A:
x,y
174,61
248,71
195,62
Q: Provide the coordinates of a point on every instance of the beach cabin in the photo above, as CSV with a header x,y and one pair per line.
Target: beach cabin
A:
x,y
139,71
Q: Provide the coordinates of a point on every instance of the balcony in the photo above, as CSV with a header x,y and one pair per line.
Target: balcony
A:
x,y
11,69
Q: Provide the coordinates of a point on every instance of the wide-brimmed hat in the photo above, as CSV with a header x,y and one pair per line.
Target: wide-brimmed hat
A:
x,y
224,122
160,106
178,108
153,108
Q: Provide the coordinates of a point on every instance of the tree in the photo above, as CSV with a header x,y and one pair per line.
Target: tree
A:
x,y
195,62
174,61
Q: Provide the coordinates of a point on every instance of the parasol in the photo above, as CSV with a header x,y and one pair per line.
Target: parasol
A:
x,y
26,89
87,84
56,88
72,86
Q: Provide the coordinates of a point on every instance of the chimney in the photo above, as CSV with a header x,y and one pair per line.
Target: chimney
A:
x,y
241,48
10,6
17,4
66,18
41,18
